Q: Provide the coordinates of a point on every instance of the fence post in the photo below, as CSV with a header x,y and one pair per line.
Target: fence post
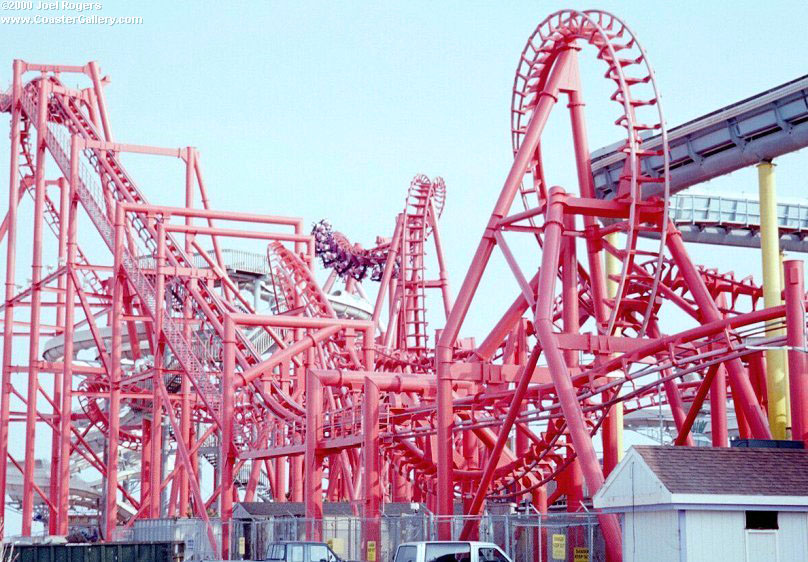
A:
x,y
508,535
540,536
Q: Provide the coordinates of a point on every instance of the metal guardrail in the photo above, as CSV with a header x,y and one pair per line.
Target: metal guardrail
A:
x,y
234,260
734,221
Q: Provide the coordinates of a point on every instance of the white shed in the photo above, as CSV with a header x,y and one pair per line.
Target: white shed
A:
x,y
703,504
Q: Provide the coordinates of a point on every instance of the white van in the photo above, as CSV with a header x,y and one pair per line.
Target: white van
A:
x,y
449,551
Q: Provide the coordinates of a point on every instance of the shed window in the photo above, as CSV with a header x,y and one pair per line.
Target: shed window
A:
x,y
761,520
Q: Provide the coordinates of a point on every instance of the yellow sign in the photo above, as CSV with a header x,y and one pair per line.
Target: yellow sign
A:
x,y
559,547
371,551
242,545
581,554
337,545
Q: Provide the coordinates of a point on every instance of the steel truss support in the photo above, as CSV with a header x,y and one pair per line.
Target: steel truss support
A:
x,y
794,277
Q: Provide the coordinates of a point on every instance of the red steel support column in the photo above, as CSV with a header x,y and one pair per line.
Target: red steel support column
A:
x,y
119,278
570,406
718,398
470,444
67,372
743,425
388,269
718,409
36,302
597,275
583,166
185,416
445,414
313,470
58,409
756,365
145,461
8,313
739,381
371,528
100,98
443,275
571,325
695,406
795,339
296,477
445,423
227,456
156,472
573,484
281,470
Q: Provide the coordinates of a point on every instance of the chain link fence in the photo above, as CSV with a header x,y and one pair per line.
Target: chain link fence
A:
x,y
573,537
525,538
191,533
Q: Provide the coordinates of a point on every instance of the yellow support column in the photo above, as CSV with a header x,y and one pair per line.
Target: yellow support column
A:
x,y
776,378
613,269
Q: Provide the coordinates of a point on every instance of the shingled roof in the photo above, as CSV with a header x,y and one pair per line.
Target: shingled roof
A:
x,y
730,471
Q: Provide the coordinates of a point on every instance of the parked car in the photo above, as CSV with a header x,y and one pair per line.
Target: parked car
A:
x,y
294,551
449,551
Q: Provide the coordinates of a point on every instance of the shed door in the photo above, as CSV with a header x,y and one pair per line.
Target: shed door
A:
x,y
761,545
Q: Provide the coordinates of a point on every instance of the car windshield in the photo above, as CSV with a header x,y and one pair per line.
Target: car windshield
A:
x,y
448,552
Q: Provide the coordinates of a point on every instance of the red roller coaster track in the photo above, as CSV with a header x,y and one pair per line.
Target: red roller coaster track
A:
x,y
159,339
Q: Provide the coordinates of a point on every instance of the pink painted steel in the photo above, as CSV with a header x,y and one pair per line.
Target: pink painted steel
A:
x,y
36,301
371,526
559,369
310,399
738,379
11,265
794,277
228,411
718,409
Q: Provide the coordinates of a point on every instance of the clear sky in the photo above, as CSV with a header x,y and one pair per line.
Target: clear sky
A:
x,y
327,109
